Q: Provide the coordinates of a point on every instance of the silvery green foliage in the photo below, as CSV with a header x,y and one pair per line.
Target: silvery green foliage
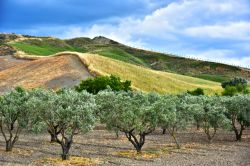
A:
x,y
211,112
239,106
42,109
13,108
173,113
132,110
166,108
238,111
105,103
76,110
14,115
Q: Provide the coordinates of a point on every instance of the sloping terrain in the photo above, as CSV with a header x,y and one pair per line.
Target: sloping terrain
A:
x,y
142,78
147,79
112,49
50,72
9,61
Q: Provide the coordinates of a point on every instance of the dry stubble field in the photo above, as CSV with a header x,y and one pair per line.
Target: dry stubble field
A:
x,y
101,147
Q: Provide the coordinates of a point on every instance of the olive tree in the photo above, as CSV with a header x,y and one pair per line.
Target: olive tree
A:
x,y
211,112
238,111
72,112
14,115
43,105
173,114
105,104
133,114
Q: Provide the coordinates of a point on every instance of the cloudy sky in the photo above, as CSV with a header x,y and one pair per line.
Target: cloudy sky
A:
x,y
217,30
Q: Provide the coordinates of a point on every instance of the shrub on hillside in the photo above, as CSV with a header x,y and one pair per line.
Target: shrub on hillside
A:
x,y
94,85
235,86
196,92
234,82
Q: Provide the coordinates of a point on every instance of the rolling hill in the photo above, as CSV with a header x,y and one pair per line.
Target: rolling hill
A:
x,y
67,68
103,46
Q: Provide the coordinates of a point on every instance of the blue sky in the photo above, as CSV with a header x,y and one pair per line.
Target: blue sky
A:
x,y
217,30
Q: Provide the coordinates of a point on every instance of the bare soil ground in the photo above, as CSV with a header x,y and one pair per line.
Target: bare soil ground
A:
x,y
51,72
103,146
9,61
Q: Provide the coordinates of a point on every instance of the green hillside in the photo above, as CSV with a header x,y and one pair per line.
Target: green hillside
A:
x,y
112,49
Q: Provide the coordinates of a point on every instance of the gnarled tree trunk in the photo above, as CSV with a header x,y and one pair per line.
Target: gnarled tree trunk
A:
x,y
53,131
137,142
209,135
12,138
65,142
172,131
238,132
65,149
164,131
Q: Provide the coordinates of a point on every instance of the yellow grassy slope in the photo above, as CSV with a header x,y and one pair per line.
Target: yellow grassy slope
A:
x,y
146,79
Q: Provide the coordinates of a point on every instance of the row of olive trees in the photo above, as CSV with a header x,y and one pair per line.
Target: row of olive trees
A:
x,y
138,114
66,113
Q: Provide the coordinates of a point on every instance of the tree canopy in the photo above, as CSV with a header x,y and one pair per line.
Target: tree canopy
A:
x,y
235,86
132,113
196,92
14,115
238,111
211,112
94,85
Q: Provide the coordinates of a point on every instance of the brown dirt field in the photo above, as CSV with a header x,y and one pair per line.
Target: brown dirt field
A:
x,y
9,61
51,72
159,149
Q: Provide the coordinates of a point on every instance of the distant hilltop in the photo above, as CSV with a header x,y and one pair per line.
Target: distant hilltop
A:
x,y
218,72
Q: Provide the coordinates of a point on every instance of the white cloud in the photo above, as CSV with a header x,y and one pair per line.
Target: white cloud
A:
x,y
208,18
222,56
232,30
182,22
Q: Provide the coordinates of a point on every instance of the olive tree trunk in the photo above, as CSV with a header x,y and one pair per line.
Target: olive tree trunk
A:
x,y
54,132
210,135
65,142
65,149
172,131
12,137
137,142
164,131
238,132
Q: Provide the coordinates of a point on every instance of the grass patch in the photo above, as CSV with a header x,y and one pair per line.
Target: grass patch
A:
x,y
17,152
42,48
73,161
119,54
142,155
216,78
